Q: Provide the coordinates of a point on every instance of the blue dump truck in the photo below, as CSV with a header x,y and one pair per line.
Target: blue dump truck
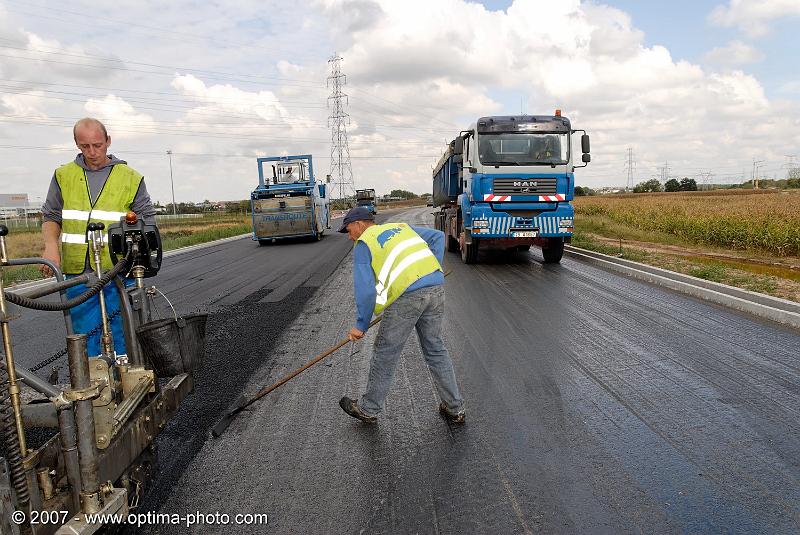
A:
x,y
288,202
506,183
366,198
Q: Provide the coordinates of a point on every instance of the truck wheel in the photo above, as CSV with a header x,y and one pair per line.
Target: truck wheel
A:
x,y
469,252
452,244
554,251
262,243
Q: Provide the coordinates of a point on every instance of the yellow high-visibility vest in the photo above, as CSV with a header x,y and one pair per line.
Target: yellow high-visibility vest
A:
x,y
113,203
399,258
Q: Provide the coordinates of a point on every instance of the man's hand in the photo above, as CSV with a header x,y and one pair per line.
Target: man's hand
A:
x,y
51,232
53,255
355,334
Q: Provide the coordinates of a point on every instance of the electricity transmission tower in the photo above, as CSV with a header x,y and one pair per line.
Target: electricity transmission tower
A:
x,y
706,178
756,165
792,168
341,171
629,167
664,172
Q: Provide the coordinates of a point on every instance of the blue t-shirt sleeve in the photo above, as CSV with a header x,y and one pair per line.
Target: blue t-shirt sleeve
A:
x,y
364,284
435,240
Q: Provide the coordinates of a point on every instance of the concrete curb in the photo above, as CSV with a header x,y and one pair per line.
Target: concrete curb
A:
x,y
764,306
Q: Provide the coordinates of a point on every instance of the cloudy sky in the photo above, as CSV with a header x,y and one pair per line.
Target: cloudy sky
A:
x,y
703,86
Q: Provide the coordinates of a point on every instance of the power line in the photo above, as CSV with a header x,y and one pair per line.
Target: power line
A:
x,y
157,73
162,32
202,154
84,55
202,133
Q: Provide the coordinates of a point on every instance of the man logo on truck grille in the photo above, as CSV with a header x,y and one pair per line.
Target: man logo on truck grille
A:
x,y
525,184
386,235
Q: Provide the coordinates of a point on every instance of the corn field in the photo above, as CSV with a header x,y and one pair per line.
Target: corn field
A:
x,y
760,220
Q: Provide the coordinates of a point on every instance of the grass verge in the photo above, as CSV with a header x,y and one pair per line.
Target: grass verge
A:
x,y
772,280
174,235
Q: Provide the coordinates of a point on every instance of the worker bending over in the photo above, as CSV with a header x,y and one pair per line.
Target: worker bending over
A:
x,y
397,271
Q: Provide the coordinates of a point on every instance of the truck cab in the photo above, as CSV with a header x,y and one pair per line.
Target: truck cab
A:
x,y
288,201
507,183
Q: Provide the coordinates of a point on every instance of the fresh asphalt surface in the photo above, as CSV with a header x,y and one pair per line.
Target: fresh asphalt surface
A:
x,y
595,404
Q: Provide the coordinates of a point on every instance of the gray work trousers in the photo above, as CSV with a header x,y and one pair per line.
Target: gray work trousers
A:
x,y
422,309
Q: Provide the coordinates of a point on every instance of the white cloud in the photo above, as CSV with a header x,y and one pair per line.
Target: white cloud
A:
x,y
30,105
122,119
222,99
734,53
753,16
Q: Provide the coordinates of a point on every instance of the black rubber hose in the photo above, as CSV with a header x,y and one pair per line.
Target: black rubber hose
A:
x,y
75,301
8,428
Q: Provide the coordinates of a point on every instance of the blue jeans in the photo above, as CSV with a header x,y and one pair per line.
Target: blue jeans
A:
x,y
87,317
422,309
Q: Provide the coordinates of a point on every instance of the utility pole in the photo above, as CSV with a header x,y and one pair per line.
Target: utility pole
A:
x,y
172,183
341,170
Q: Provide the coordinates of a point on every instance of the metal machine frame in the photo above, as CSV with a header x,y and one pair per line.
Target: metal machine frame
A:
x,y
107,420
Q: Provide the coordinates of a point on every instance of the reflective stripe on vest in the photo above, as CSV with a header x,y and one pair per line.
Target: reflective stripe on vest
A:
x,y
112,203
399,258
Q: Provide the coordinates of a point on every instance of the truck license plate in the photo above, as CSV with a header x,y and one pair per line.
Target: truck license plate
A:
x,y
524,234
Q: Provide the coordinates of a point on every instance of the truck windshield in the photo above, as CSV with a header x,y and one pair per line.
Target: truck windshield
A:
x,y
517,148
365,195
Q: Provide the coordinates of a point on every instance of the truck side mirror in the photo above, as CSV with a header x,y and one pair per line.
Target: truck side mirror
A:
x,y
585,144
586,158
459,145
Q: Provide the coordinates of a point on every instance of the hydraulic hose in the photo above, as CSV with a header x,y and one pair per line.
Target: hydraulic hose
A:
x,y
75,301
8,428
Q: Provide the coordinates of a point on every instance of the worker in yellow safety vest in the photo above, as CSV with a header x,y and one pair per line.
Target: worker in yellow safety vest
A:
x,y
94,188
397,271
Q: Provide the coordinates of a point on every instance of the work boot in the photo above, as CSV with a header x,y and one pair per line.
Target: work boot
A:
x,y
450,416
350,406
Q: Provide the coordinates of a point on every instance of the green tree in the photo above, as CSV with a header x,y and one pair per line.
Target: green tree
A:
x,y
579,191
688,184
403,194
650,186
672,185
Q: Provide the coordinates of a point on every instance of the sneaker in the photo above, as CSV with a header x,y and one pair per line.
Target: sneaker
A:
x,y
350,406
450,416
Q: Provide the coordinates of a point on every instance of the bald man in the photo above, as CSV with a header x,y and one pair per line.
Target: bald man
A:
x,y
95,187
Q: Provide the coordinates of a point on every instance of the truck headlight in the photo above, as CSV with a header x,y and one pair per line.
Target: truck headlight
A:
x,y
566,223
480,223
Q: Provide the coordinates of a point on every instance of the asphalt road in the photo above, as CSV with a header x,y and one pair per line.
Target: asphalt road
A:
x,y
596,404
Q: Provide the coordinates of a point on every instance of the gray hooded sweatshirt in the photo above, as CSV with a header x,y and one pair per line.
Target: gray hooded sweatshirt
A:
x,y
54,203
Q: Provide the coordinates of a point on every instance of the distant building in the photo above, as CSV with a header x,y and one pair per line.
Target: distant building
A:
x,y
17,205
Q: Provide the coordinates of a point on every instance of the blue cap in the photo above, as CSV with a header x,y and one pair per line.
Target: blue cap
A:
x,y
359,213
